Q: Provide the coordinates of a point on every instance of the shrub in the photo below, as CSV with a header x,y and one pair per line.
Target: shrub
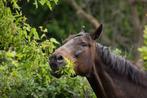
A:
x,y
24,69
143,49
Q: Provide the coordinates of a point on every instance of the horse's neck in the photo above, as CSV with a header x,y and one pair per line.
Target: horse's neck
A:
x,y
119,77
96,86
103,85
119,67
110,88
126,87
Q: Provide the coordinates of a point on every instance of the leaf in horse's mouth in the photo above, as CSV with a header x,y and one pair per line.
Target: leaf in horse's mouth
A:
x,y
64,69
68,69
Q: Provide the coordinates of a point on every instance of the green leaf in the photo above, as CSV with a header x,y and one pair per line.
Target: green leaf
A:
x,y
43,36
49,5
36,3
11,54
42,2
56,1
35,33
54,41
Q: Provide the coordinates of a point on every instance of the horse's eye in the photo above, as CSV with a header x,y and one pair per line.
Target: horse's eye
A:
x,y
77,54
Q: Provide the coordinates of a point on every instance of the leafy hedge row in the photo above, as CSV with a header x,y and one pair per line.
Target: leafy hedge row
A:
x,y
24,69
143,49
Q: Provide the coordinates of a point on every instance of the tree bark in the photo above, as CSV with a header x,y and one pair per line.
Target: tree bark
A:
x,y
88,17
138,31
80,12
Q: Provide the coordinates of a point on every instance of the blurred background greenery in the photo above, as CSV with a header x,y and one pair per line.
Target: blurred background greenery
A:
x,y
31,29
123,21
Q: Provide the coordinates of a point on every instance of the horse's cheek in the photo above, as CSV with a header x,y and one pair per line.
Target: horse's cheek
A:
x,y
79,70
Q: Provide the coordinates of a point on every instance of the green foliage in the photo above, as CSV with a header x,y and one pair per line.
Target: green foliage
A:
x,y
115,16
24,69
117,51
59,24
68,69
49,3
143,49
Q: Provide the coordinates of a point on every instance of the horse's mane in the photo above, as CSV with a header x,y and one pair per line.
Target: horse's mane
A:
x,y
121,65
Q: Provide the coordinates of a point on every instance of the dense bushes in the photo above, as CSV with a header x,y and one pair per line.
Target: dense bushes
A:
x,y
24,69
143,49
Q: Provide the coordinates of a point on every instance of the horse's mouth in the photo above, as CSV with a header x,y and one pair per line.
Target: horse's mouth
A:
x,y
59,73
56,69
56,74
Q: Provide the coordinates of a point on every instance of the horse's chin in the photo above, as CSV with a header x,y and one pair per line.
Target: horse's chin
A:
x,y
56,74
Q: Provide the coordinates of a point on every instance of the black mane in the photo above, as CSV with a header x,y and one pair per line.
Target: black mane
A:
x,y
120,65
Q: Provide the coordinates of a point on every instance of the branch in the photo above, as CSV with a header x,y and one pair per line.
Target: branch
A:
x,y
134,1
88,17
144,20
138,29
80,12
144,1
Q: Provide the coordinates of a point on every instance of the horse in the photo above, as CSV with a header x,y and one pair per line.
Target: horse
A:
x,y
109,75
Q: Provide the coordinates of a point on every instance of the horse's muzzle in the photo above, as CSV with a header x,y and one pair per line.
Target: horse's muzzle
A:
x,y
56,62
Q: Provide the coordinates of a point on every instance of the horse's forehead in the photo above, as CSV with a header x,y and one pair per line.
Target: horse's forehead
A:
x,y
77,40
72,42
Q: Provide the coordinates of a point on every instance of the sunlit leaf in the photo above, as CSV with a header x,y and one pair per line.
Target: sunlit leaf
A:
x,y
42,2
35,33
54,40
56,1
49,5
143,49
36,3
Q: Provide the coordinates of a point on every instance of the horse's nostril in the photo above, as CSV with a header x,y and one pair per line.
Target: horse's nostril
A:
x,y
56,58
60,57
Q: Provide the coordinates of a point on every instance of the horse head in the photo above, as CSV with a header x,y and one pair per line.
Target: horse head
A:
x,y
80,49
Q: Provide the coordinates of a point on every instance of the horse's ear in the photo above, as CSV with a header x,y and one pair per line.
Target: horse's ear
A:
x,y
97,33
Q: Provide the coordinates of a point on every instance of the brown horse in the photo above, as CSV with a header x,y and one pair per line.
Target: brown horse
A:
x,y
110,76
